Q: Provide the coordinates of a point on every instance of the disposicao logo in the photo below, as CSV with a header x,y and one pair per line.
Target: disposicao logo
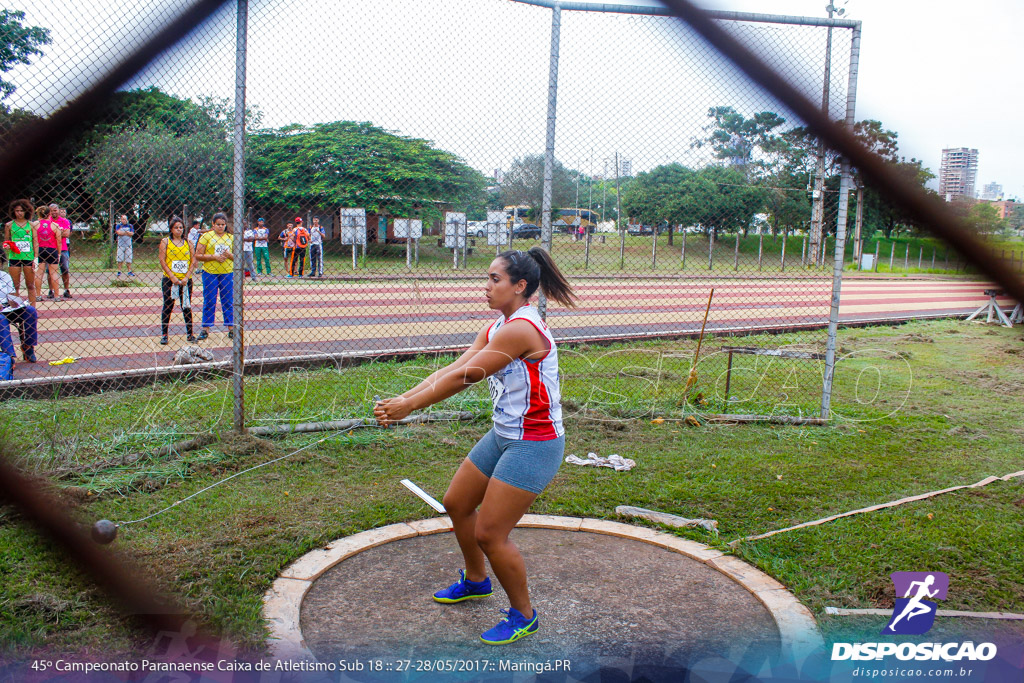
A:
x,y
914,614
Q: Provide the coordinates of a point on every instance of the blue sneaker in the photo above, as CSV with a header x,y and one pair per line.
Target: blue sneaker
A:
x,y
464,590
511,628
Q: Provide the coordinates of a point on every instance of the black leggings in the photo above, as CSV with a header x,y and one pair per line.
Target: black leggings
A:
x,y
165,314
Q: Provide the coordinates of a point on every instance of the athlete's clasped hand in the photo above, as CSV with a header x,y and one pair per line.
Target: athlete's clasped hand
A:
x,y
391,410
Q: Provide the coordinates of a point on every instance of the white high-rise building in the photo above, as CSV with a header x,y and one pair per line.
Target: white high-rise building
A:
x,y
958,173
625,167
992,191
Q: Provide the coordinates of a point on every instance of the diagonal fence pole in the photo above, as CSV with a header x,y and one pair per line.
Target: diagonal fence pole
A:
x,y
112,571
928,211
34,141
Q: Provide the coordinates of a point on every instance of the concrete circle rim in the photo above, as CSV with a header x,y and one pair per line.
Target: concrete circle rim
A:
x,y
282,603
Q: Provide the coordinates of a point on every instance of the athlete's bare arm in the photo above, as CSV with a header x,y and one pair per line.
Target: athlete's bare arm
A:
x,y
517,339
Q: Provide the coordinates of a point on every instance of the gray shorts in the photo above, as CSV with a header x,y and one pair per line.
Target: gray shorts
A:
x,y
124,253
65,262
527,465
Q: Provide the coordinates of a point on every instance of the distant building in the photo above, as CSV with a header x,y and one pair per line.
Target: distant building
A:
x,y
625,167
992,191
499,176
958,173
1004,208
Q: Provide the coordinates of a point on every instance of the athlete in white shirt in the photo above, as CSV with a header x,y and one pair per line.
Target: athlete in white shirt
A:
x,y
519,456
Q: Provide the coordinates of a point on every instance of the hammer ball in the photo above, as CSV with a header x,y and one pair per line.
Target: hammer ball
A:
x,y
104,531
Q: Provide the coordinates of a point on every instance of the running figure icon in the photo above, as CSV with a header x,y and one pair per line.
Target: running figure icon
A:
x,y
915,607
914,613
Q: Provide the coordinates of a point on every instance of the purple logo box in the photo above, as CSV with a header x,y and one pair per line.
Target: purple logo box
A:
x,y
902,581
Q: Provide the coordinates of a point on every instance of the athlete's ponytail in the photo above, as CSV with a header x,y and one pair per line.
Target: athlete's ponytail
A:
x,y
539,270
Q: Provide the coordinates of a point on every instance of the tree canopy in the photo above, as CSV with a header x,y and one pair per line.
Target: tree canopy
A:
x,y
345,163
523,184
18,44
716,198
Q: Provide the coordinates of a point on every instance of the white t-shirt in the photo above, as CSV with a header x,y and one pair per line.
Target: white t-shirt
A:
x,y
247,246
193,236
6,287
261,236
316,237
525,395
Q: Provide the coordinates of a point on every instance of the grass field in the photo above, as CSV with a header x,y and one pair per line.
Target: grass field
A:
x,y
919,407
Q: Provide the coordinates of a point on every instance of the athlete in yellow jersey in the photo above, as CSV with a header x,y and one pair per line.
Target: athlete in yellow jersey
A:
x,y
214,252
178,261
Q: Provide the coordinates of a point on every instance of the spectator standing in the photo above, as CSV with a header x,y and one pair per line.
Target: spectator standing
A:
x,y
300,240
48,233
65,250
287,239
195,232
214,252
262,250
316,249
21,232
23,316
125,231
248,239
178,261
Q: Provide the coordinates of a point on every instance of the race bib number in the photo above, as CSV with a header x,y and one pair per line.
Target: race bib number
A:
x,y
24,247
497,388
179,267
220,249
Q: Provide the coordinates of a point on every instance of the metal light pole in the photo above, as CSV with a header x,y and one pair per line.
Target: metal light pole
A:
x,y
549,149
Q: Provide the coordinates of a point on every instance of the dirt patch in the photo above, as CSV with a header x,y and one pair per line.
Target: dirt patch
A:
x,y
913,337
42,604
240,445
1006,385
881,595
967,432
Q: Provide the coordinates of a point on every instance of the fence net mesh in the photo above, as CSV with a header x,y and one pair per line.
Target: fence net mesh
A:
x,y
392,151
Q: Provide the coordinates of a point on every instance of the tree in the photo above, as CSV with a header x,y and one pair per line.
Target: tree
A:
x,y
18,44
523,184
984,218
70,174
151,172
716,198
345,163
1015,219
749,144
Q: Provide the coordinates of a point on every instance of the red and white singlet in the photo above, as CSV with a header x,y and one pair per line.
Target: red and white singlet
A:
x,y
525,394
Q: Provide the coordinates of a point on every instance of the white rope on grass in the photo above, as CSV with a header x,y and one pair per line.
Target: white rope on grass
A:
x,y
910,499
218,483
346,425
849,611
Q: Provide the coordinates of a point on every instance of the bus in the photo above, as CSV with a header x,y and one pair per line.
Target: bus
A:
x,y
570,219
516,214
565,220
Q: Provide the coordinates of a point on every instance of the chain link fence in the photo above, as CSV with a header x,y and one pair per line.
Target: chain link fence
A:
x,y
377,290
390,152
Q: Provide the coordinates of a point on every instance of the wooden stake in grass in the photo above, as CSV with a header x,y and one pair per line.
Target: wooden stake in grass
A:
x,y
692,379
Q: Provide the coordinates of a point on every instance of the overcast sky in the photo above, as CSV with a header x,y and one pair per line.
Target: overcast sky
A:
x,y
942,73
471,75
